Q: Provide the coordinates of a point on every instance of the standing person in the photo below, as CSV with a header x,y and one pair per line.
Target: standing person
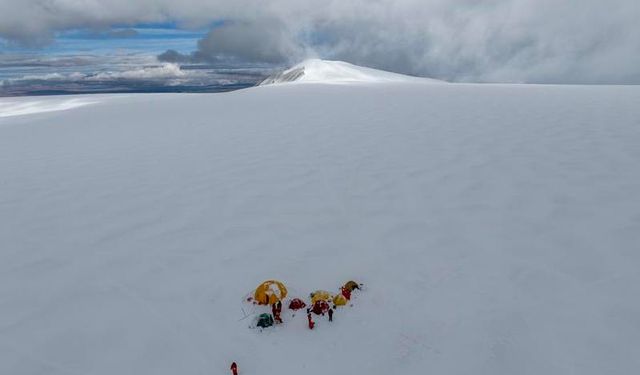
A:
x,y
279,309
234,368
330,314
276,312
311,323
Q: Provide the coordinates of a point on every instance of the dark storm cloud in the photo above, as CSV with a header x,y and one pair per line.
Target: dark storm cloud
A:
x,y
263,40
173,56
573,41
259,41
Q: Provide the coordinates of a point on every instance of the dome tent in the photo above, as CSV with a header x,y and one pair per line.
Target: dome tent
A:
x,y
320,295
264,321
320,307
270,292
340,300
297,304
351,285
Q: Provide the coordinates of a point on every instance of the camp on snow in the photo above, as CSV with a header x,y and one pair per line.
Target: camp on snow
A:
x,y
272,293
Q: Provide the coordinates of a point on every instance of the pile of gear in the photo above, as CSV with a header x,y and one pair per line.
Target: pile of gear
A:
x,y
273,293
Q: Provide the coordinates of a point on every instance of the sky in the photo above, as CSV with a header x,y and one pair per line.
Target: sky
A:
x,y
117,59
529,41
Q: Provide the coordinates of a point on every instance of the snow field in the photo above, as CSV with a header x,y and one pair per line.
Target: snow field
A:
x,y
496,228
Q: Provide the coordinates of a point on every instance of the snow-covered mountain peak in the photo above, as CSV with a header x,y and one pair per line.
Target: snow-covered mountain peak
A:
x,y
325,71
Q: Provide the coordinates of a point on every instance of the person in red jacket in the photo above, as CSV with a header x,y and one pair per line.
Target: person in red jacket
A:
x,y
278,312
234,368
276,309
311,323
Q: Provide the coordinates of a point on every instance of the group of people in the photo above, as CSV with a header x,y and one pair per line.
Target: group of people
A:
x,y
310,321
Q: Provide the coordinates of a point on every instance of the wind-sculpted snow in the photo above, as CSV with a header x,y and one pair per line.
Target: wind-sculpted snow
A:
x,y
323,71
289,75
495,227
26,106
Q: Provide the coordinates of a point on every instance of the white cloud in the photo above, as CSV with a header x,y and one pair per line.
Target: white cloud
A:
x,y
164,73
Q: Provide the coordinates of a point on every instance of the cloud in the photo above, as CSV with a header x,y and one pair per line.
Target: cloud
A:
x,y
571,41
258,41
162,72
166,72
175,57
21,61
262,40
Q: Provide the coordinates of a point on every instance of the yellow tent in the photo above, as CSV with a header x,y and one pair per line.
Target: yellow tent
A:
x,y
339,300
320,295
270,292
351,285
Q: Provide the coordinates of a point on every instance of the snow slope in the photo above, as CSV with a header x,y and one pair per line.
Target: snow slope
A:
x,y
497,228
325,71
23,106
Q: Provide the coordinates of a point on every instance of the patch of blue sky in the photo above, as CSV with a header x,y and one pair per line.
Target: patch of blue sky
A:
x,y
75,57
148,40
90,51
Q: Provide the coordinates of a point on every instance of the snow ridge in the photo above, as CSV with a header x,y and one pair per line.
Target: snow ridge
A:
x,y
325,71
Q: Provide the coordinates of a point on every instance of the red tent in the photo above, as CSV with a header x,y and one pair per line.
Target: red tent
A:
x,y
297,304
320,307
